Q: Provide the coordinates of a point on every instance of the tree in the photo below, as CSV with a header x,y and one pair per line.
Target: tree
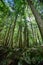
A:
x,y
37,17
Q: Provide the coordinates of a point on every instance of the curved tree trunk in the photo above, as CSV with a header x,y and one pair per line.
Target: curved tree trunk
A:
x,y
37,17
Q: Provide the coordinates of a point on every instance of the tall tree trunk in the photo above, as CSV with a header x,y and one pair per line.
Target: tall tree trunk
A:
x,y
6,36
37,17
17,39
20,37
11,41
25,35
6,42
26,38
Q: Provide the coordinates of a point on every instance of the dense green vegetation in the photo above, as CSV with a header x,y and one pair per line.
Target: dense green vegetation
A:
x,y
21,32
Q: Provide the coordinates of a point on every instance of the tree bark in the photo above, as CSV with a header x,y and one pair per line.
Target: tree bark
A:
x,y
25,41
37,17
20,38
27,37
26,34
